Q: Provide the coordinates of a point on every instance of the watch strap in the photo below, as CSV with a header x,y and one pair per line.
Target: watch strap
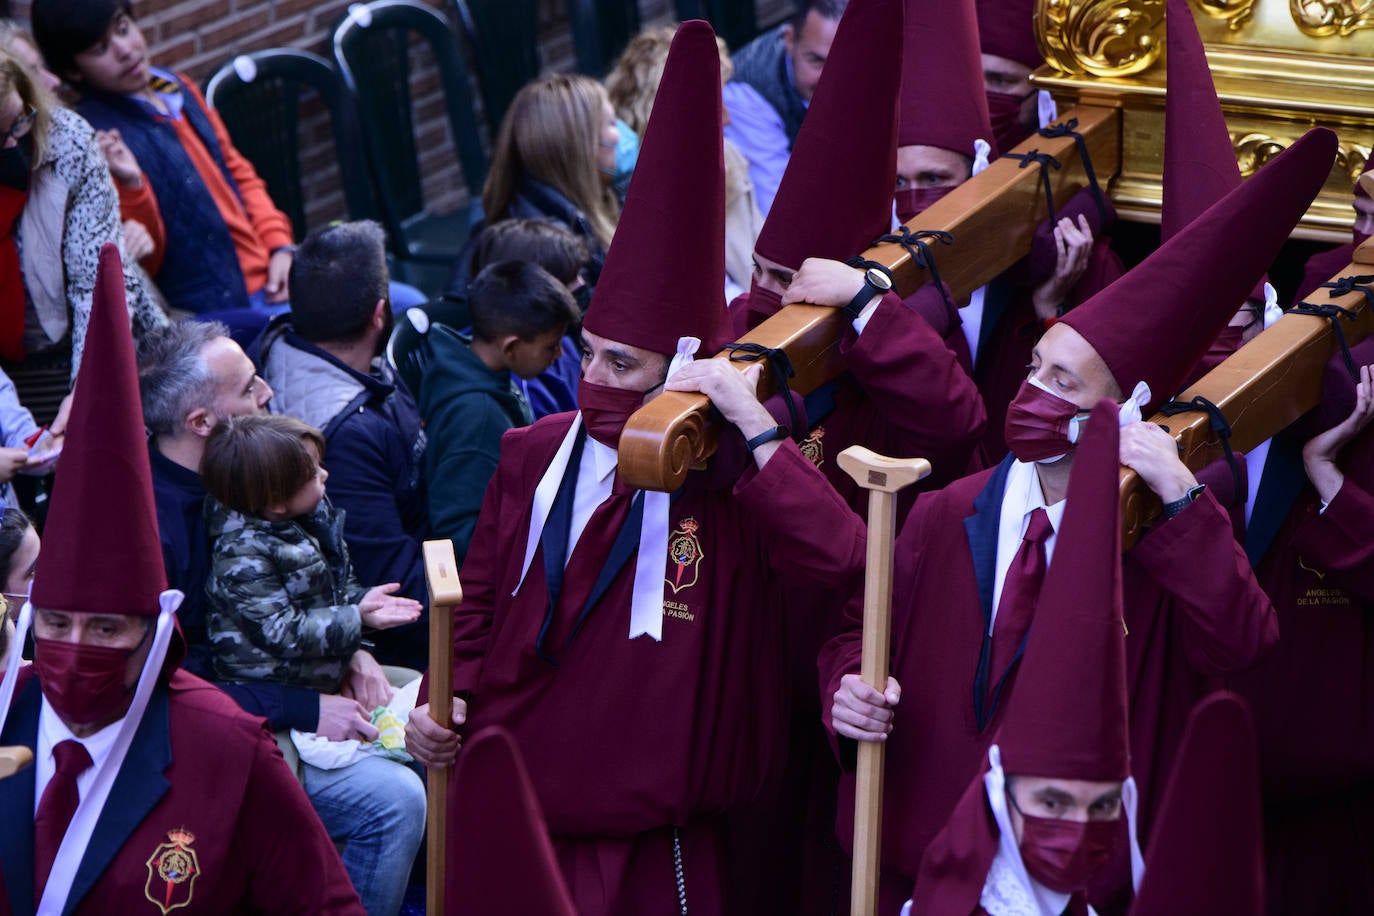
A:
x,y
768,435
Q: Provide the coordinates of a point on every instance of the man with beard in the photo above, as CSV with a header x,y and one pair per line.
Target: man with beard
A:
x,y
322,361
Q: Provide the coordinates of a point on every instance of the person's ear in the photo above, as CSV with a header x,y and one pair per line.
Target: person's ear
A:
x,y
788,37
508,345
200,422
379,314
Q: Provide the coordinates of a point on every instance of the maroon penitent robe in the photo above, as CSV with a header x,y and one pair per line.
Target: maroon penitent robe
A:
x,y
204,818
1192,606
625,739
1311,699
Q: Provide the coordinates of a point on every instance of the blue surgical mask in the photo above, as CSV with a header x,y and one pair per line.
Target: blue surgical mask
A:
x,y
626,154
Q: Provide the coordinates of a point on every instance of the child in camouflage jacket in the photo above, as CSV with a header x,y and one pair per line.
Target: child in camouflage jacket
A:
x,y
284,605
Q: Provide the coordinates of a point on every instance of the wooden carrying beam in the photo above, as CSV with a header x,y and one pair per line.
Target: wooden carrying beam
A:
x,y
992,217
1261,388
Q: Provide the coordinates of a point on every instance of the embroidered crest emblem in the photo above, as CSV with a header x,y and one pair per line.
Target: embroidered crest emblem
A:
x,y
684,556
811,447
172,871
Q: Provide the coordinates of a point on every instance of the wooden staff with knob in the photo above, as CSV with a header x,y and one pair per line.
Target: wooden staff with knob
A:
x,y
882,478
445,593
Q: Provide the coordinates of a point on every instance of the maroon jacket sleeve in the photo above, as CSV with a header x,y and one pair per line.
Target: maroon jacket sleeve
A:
x,y
915,381
296,867
1340,541
1226,620
809,531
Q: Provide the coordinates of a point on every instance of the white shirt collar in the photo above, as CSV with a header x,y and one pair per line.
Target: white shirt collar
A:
x,y
603,459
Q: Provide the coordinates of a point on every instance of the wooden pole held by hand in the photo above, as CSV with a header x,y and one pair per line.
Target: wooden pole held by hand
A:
x,y
882,478
445,593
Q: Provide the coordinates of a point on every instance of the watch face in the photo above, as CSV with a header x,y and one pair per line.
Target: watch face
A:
x,y
877,278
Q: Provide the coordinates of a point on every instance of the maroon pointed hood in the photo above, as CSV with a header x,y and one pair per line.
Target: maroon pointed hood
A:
x,y
1199,162
500,858
1066,718
1157,321
101,550
836,195
1006,28
665,271
955,866
1206,851
943,100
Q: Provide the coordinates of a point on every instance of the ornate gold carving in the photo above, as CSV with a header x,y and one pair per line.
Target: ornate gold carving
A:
x,y
1235,13
1112,38
1353,160
1255,149
1325,18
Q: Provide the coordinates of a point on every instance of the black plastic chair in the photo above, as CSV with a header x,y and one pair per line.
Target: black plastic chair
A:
x,y
261,95
372,50
408,350
734,20
503,36
601,29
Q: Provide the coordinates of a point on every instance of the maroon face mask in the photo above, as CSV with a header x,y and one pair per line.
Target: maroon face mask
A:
x,y
911,202
606,410
1064,855
763,304
1039,424
1005,110
84,684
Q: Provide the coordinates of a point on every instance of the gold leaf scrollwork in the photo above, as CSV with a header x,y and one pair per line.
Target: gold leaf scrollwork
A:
x,y
1352,160
1111,38
1254,150
1325,18
1235,13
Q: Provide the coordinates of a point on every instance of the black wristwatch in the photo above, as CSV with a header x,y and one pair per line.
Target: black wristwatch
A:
x,y
1187,499
768,435
876,282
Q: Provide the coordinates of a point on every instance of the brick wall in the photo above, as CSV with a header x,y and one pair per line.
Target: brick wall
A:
x,y
198,36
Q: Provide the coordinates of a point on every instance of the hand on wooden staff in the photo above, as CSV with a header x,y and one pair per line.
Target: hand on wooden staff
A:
x,y
429,742
1319,454
862,713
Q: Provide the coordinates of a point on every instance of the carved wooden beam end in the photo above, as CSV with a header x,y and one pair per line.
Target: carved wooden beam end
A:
x,y
675,432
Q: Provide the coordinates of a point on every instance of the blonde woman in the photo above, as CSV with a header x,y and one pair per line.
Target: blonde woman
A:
x,y
58,206
555,159
632,86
